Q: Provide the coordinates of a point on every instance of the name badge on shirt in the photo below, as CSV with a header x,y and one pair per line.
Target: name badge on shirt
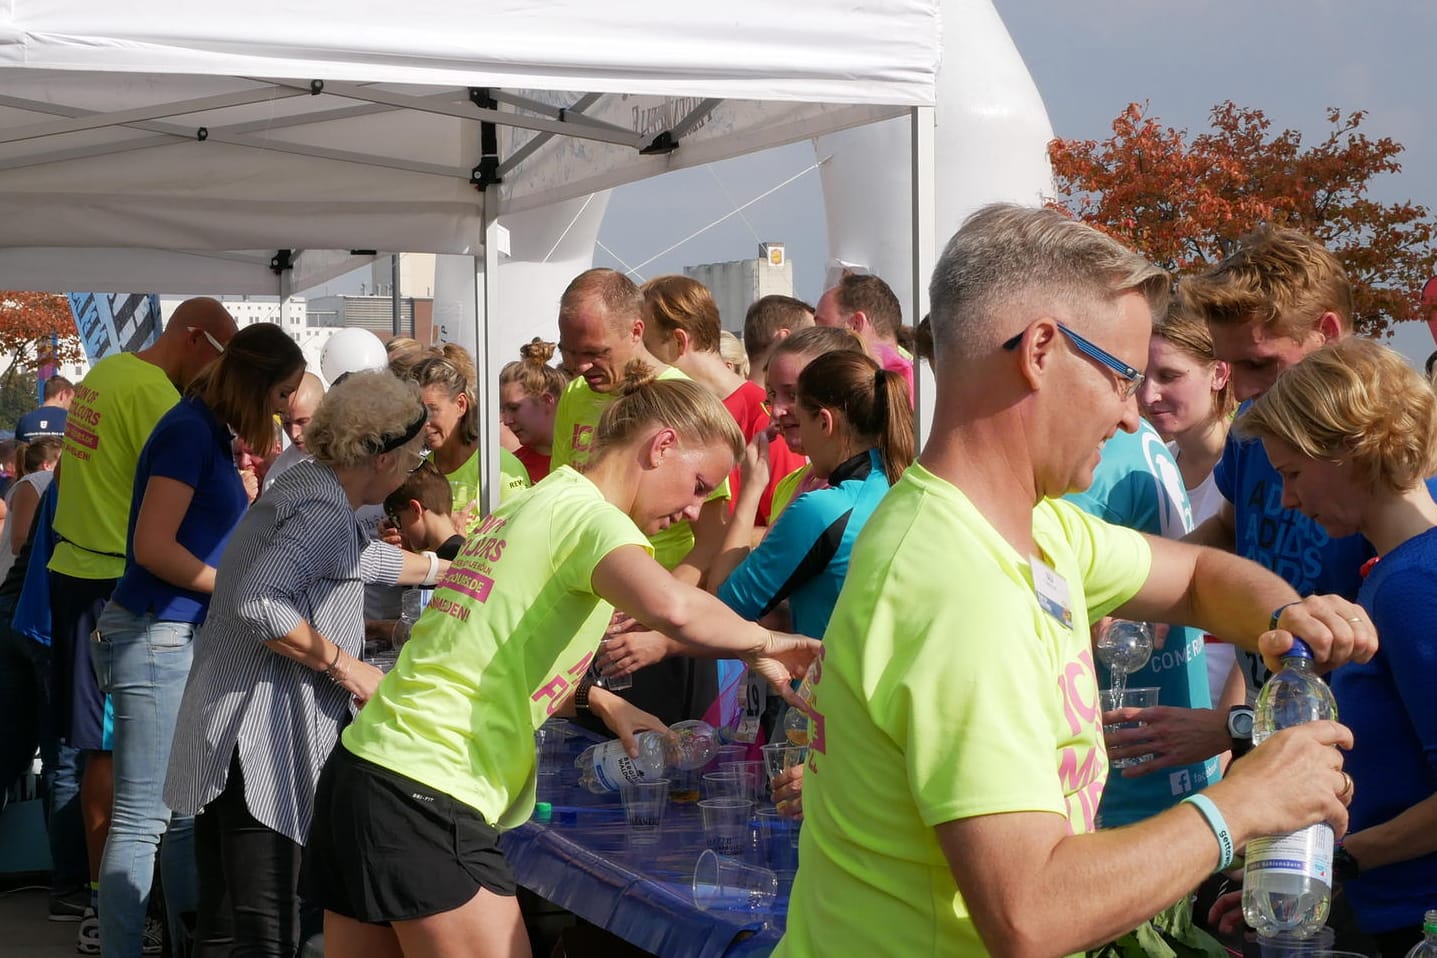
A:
x,y
1052,591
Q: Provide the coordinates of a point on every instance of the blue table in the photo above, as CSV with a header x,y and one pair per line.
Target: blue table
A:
x,y
581,860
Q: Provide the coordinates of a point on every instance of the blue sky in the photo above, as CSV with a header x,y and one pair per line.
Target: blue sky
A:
x,y
1089,60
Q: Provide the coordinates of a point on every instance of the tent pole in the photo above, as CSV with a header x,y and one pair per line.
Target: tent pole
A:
x,y
485,360
924,254
394,310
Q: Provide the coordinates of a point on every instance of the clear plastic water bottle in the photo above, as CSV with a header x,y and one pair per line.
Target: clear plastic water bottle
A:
x,y
409,608
1427,947
797,724
1287,881
687,746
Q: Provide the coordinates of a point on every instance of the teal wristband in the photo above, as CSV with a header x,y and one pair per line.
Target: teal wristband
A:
x,y
1277,614
1218,824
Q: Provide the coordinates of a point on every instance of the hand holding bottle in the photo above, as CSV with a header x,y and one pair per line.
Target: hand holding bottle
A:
x,y
1337,632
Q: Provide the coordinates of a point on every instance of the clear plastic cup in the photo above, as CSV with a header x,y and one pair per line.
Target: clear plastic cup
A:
x,y
779,757
644,805
1133,699
728,753
726,824
722,785
752,781
723,882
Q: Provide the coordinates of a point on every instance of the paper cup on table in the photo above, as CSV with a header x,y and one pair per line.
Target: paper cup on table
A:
x,y
644,804
722,882
753,783
726,824
1144,698
780,842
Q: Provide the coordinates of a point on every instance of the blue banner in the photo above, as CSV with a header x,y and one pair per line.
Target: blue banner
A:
x,y
115,322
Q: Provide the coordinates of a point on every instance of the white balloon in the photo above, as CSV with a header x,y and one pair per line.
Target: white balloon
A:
x,y
349,351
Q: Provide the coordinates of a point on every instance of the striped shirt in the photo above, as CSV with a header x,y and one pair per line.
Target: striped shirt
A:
x,y
298,554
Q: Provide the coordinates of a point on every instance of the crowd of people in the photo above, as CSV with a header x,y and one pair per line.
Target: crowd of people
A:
x,y
208,638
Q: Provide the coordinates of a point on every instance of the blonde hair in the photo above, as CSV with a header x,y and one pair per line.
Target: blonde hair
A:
x,y
731,349
678,302
1358,401
362,415
1006,255
1283,278
1190,336
681,404
532,371
452,377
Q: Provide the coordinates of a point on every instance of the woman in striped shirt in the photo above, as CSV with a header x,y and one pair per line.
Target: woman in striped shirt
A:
x,y
276,667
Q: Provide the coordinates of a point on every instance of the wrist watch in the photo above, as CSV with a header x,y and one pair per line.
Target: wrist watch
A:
x,y
581,694
1344,866
1239,729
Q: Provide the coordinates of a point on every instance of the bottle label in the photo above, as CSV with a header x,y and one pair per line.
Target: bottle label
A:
x,y
613,767
755,696
1306,853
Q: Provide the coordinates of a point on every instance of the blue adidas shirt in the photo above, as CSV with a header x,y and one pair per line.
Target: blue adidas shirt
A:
x,y
190,446
1137,484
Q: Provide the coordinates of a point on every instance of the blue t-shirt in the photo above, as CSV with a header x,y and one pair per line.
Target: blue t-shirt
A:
x,y
191,446
1137,484
37,423
1282,540
1390,707
804,556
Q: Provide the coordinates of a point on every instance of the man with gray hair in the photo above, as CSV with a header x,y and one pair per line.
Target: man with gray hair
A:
x,y
957,758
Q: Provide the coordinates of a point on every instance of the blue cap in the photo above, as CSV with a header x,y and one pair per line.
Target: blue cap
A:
x,y
1299,650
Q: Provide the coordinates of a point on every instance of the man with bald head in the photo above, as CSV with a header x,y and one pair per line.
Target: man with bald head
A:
x,y
302,404
114,410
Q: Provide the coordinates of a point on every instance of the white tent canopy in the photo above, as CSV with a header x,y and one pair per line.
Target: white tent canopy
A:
x,y
179,133
146,124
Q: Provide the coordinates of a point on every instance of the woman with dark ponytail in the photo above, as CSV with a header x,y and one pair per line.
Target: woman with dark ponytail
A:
x,y
857,429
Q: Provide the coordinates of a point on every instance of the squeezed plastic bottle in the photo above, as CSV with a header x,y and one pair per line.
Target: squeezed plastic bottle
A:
x,y
1287,880
1427,947
797,724
687,746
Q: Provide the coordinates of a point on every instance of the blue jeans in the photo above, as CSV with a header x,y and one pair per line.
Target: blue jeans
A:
x,y
142,664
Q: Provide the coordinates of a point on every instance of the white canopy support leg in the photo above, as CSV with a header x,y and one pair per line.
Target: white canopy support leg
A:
x,y
925,255
486,361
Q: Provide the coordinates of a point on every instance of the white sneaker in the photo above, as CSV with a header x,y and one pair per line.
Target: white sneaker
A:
x,y
88,940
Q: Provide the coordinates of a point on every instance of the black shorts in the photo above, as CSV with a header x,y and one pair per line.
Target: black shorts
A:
x,y
386,848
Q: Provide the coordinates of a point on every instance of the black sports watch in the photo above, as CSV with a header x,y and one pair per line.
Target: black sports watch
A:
x,y
1344,866
1239,729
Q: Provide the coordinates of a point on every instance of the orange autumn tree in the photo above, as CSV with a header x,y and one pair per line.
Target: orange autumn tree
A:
x,y
1184,200
29,324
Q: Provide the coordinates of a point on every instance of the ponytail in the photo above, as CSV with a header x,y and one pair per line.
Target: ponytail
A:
x,y
17,464
874,403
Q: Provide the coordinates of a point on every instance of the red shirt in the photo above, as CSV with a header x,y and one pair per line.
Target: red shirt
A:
x,y
746,404
535,464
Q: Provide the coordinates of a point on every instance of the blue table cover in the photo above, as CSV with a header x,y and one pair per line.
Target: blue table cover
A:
x,y
582,860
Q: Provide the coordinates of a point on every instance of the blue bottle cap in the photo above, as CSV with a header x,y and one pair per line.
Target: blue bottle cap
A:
x,y
1299,650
